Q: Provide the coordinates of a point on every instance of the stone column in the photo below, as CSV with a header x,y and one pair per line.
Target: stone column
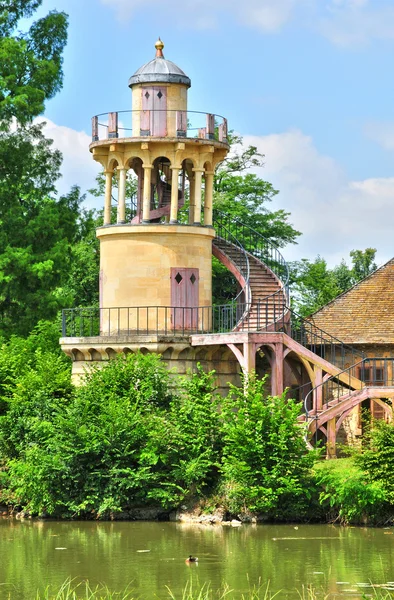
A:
x,y
147,193
122,195
192,188
208,200
174,194
108,197
197,195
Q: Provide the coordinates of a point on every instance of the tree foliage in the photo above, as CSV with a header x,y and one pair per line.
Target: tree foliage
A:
x,y
128,437
314,284
244,196
31,62
377,458
37,230
347,494
266,464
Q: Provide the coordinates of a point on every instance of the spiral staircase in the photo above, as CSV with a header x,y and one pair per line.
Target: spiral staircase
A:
x,y
259,317
264,314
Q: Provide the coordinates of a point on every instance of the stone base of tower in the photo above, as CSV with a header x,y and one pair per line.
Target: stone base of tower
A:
x,y
178,353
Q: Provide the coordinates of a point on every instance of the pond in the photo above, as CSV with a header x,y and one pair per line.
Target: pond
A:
x,y
151,556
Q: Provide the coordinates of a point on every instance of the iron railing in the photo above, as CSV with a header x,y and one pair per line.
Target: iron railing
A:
x,y
371,372
322,343
159,123
151,320
257,245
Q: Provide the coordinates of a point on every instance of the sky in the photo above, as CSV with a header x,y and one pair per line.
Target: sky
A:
x,y
309,82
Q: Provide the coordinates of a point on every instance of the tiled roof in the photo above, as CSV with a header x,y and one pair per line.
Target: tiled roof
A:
x,y
365,313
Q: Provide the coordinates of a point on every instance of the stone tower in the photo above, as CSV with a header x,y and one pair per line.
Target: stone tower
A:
x,y
156,253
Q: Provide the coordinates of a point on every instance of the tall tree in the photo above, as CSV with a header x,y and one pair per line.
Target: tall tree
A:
x,y
314,284
31,62
244,196
37,229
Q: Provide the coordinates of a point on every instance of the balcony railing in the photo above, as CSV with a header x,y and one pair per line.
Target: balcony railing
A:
x,y
172,320
159,123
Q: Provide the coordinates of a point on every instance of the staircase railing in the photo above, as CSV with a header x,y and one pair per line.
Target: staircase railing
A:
x,y
257,245
371,372
235,311
271,313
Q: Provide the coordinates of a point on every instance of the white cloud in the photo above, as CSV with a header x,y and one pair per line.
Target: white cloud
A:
x,y
334,214
345,23
352,23
382,133
267,15
78,166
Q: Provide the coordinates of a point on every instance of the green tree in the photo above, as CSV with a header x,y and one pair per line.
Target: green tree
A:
x,y
31,62
363,263
314,284
37,230
81,285
244,196
266,465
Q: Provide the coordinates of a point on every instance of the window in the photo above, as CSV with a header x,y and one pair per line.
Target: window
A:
x,y
372,374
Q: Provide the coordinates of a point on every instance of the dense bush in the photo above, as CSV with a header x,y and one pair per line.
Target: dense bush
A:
x,y
122,439
377,459
132,435
347,495
266,465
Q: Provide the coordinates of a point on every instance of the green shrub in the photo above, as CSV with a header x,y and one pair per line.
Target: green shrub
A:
x,y
346,494
266,465
123,439
377,458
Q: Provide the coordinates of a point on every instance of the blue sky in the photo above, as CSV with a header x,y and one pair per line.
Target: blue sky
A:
x,y
310,82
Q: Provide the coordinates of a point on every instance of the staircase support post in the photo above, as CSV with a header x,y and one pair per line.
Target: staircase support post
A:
x,y
277,371
147,193
174,195
331,439
318,391
249,358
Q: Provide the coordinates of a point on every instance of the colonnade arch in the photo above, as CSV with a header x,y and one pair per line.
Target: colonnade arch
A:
x,y
184,171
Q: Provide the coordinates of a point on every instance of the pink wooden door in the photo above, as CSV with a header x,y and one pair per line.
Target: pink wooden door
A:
x,y
154,111
184,298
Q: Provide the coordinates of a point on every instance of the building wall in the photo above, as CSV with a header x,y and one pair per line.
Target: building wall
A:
x,y
176,100
351,430
135,268
179,356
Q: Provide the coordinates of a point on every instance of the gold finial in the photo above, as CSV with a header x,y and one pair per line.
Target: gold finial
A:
x,y
159,49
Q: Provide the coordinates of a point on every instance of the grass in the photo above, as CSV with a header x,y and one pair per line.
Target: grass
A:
x,y
70,590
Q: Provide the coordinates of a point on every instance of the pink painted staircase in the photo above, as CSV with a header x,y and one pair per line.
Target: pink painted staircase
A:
x,y
264,307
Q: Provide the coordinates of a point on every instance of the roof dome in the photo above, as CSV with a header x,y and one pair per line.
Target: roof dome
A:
x,y
159,70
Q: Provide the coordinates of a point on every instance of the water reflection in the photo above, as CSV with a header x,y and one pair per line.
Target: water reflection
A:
x,y
151,556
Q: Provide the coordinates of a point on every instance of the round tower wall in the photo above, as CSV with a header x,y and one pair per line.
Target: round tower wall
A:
x,y
174,98
138,267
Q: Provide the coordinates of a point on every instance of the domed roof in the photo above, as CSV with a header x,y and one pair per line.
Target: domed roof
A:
x,y
159,70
